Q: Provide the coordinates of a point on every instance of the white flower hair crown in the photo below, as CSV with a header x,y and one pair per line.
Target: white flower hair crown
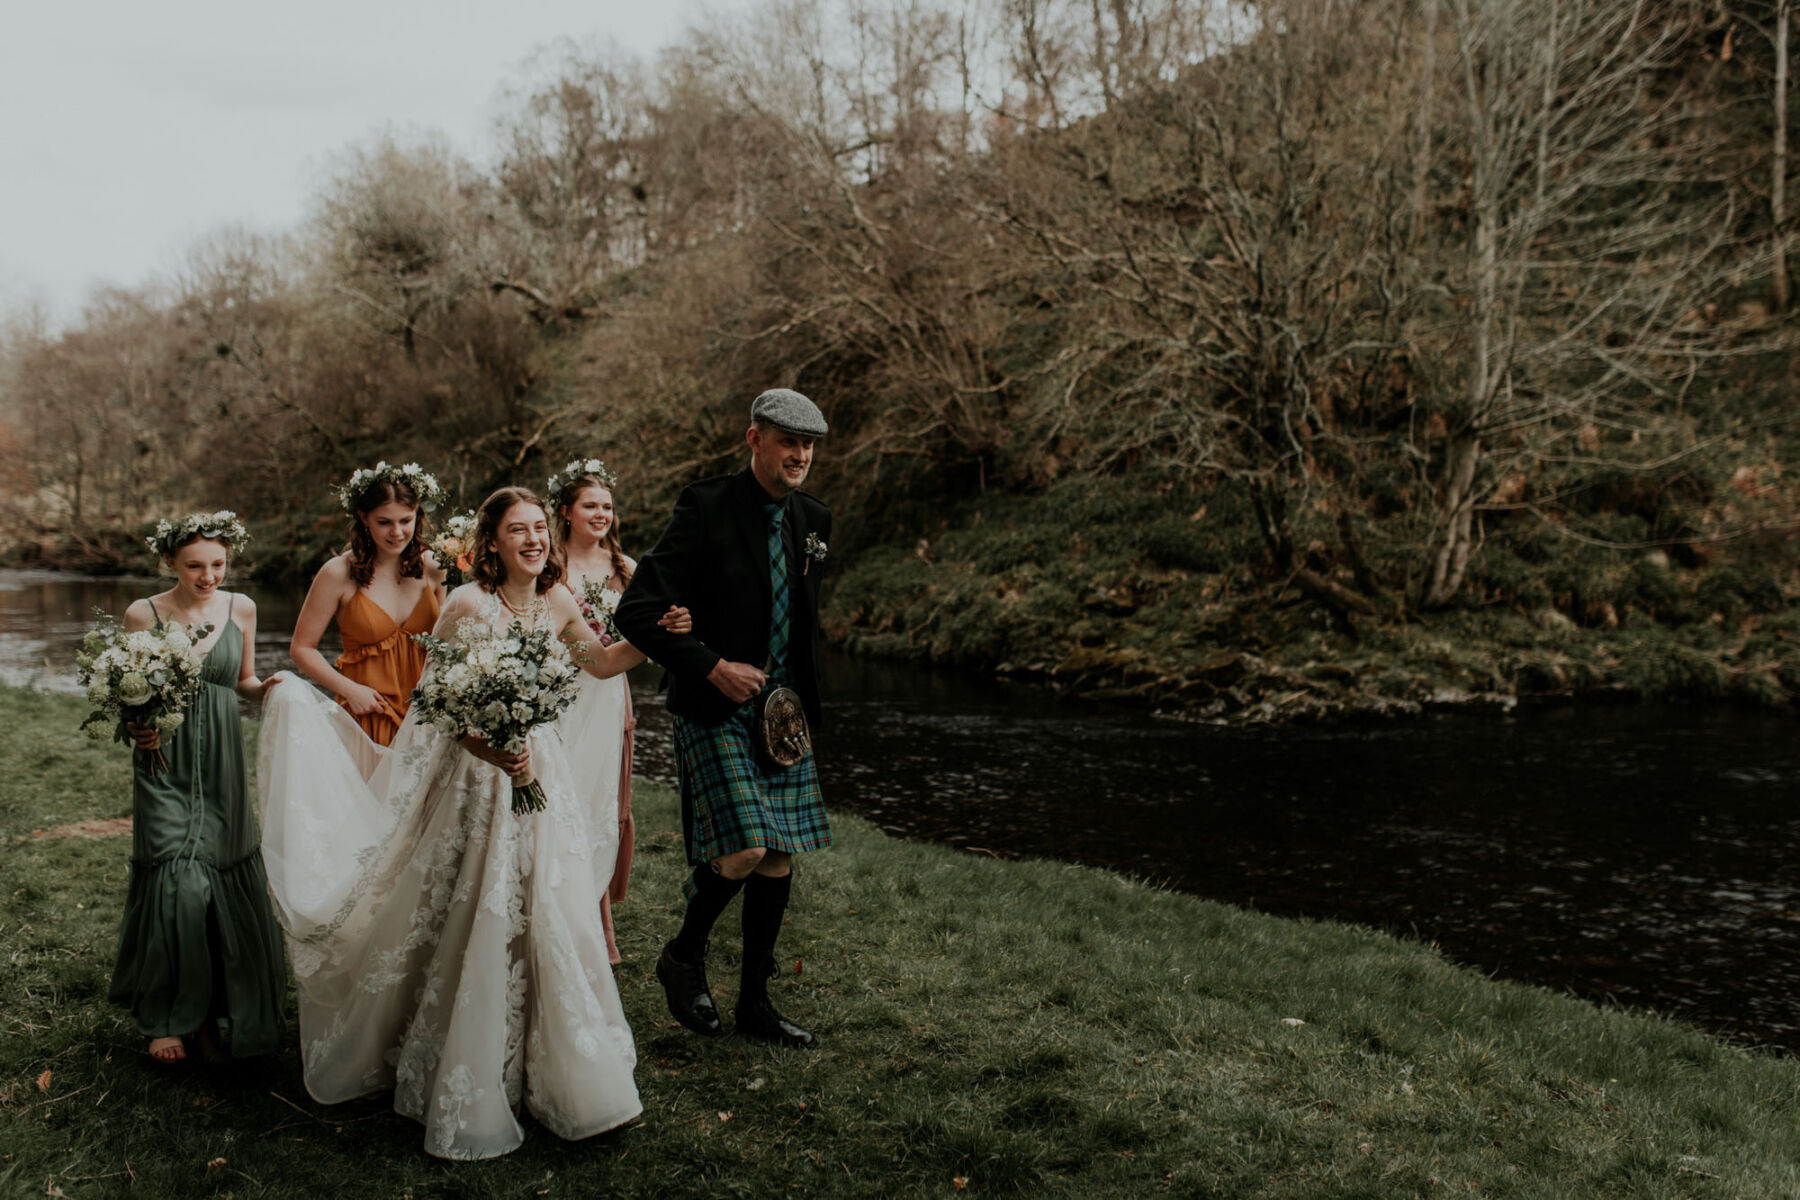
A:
x,y
423,483
574,469
221,526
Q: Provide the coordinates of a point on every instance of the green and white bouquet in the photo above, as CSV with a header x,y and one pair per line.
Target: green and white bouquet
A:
x,y
499,685
598,608
454,548
144,677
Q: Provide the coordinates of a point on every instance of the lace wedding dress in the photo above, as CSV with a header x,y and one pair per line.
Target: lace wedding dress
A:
x,y
442,946
596,733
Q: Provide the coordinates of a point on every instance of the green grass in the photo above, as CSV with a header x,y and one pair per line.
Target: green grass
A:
x,y
1028,1027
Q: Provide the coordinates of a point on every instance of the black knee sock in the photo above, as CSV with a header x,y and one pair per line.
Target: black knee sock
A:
x,y
765,902
712,892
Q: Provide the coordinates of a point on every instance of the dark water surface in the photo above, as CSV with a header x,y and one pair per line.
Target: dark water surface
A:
x,y
1638,854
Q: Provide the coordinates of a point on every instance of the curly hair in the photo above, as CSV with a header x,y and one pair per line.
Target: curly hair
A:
x,y
565,497
360,554
486,567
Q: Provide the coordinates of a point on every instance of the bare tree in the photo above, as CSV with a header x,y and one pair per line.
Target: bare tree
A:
x,y
1773,21
1226,247
1586,249
573,180
396,228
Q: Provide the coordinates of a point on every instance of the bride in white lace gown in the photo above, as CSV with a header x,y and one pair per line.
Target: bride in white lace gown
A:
x,y
443,946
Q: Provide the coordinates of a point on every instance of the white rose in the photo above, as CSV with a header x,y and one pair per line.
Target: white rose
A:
x,y
134,689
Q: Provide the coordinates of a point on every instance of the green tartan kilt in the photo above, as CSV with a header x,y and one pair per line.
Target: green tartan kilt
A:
x,y
731,803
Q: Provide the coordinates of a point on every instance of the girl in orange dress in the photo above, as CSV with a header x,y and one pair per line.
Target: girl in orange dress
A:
x,y
383,589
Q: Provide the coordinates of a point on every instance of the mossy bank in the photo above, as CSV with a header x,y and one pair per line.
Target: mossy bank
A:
x,y
1159,594
992,1027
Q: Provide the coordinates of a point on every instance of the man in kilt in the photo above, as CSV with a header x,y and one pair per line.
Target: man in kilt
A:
x,y
743,553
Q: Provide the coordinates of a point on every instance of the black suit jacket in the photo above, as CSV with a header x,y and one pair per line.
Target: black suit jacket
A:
x,y
714,558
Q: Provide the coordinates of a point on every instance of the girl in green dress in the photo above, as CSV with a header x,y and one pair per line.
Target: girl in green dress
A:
x,y
199,944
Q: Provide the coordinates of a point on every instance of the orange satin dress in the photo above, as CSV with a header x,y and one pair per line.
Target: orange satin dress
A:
x,y
382,655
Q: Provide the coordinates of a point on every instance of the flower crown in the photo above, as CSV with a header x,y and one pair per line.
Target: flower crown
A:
x,y
424,485
221,526
574,469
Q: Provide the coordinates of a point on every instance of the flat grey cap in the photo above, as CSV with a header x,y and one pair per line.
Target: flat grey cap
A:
x,y
787,409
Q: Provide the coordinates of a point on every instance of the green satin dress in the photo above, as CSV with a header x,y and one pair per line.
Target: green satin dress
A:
x,y
199,939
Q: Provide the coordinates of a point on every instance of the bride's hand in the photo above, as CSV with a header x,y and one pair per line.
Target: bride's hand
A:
x,y
483,749
145,737
677,620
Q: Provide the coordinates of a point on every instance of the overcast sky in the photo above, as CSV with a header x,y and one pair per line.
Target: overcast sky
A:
x,y
129,128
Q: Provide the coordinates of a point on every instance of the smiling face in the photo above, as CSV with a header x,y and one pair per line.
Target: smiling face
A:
x,y
199,570
779,459
522,541
391,526
590,515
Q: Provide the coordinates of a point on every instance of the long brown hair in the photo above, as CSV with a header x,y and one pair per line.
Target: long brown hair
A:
x,y
486,566
566,496
360,554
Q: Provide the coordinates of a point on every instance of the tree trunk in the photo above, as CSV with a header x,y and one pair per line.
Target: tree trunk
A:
x,y
1451,562
1422,150
1778,184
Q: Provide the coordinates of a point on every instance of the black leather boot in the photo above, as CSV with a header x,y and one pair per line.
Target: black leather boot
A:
x,y
758,1019
756,1014
684,987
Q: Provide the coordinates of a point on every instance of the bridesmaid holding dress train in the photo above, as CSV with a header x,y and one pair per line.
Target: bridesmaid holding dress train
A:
x,y
382,590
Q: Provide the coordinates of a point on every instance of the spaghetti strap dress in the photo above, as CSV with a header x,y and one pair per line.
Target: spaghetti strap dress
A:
x,y
199,940
599,731
382,655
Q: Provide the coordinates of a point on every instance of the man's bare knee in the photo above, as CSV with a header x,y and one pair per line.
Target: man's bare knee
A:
x,y
775,864
739,865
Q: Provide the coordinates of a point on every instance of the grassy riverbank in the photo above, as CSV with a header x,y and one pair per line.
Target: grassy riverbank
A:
x,y
1018,1027
1151,594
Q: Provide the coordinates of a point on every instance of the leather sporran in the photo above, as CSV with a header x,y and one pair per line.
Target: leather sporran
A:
x,y
782,738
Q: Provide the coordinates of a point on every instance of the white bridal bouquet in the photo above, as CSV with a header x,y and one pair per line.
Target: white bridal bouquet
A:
x,y
500,686
598,607
145,677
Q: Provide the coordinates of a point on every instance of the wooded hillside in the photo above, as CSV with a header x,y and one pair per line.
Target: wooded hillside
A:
x,y
1345,353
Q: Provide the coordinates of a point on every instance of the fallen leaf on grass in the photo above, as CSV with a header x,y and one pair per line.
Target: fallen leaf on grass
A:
x,y
215,1164
796,966
44,1082
724,1116
1292,1021
960,1182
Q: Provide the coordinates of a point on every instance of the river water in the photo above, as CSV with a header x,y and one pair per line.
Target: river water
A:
x,y
1642,855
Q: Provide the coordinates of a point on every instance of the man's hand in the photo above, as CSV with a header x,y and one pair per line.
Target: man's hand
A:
x,y
739,681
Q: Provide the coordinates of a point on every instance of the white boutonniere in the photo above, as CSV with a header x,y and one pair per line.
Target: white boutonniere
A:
x,y
816,549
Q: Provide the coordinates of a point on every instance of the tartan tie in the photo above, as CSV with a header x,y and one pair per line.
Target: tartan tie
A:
x,y
778,594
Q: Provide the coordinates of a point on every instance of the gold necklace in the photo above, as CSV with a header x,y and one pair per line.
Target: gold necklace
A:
x,y
528,612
